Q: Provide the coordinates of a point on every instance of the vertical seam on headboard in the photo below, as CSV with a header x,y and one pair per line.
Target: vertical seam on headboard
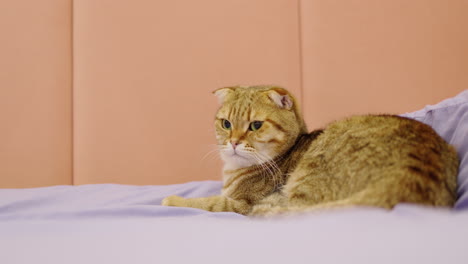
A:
x,y
301,66
72,103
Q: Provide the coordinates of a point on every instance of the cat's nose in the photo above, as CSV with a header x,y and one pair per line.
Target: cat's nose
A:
x,y
234,144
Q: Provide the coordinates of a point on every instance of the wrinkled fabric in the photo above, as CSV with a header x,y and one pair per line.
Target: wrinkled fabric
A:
x,y
449,118
107,223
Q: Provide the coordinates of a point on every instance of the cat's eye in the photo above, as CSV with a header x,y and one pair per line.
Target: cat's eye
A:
x,y
226,124
255,125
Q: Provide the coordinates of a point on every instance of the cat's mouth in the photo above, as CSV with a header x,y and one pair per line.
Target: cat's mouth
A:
x,y
237,158
235,154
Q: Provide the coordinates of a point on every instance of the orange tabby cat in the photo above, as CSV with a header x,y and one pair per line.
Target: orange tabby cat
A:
x,y
273,165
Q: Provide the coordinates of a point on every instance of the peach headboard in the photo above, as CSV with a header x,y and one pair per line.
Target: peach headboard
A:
x,y
114,91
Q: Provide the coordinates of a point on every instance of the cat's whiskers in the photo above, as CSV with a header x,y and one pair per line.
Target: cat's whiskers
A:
x,y
265,171
264,164
271,162
213,153
266,159
269,166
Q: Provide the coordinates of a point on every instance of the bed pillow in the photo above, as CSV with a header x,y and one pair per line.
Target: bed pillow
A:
x,y
450,119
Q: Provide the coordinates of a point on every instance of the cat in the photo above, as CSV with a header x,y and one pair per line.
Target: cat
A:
x,y
273,165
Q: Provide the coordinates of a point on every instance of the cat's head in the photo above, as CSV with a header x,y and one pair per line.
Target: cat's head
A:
x,y
256,124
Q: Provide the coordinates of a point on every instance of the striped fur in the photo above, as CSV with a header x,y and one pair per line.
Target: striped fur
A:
x,y
372,160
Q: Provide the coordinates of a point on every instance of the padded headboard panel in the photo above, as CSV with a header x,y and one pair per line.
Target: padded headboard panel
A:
x,y
367,56
122,94
35,93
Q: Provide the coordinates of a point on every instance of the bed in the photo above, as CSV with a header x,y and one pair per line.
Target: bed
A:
x,y
109,223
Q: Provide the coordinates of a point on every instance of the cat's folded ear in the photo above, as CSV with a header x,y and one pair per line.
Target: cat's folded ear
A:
x,y
223,93
281,97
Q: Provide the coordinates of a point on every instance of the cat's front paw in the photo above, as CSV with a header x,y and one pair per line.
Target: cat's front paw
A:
x,y
267,210
173,200
263,210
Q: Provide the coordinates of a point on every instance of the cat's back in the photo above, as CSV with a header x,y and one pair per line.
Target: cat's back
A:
x,y
354,152
384,139
385,131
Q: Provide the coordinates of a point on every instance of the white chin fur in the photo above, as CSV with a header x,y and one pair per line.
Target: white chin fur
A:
x,y
232,162
237,162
